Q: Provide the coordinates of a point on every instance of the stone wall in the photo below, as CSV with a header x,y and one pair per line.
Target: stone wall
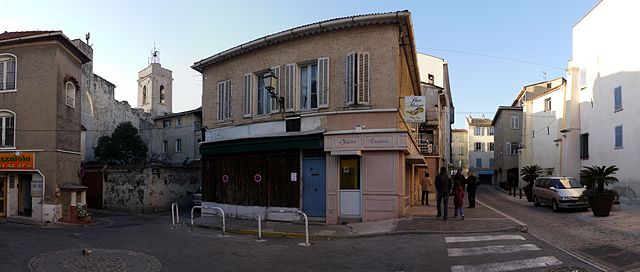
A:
x,y
150,189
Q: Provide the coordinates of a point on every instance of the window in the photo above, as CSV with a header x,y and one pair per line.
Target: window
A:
x,y
263,105
430,79
309,86
350,173
478,162
165,146
166,123
618,131
7,124
178,122
512,148
461,152
478,147
584,146
515,122
357,78
547,104
178,145
617,93
7,72
490,131
144,95
477,131
163,94
70,94
491,146
224,100
492,162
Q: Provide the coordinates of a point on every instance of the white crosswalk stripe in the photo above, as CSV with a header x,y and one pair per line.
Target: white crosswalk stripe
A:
x,y
496,250
469,251
508,266
482,238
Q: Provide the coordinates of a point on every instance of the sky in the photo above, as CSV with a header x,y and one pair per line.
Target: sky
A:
x,y
493,47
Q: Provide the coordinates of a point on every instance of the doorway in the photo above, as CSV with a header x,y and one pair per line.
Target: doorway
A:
x,y
3,196
314,188
24,195
350,194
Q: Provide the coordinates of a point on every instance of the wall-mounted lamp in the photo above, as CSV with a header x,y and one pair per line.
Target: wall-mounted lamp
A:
x,y
269,79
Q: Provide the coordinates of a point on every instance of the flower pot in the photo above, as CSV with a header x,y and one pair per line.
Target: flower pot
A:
x,y
528,192
601,204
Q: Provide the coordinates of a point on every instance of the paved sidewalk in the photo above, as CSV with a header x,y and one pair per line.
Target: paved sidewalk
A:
x,y
418,219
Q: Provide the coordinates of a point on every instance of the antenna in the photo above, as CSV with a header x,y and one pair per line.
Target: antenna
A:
x,y
155,55
544,74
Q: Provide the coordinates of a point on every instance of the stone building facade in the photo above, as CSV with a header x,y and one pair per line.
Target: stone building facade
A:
x,y
481,147
40,119
337,146
460,149
507,139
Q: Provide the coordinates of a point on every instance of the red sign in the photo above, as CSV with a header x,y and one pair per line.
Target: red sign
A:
x,y
257,178
11,161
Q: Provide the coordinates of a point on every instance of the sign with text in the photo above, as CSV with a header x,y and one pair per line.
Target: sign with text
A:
x,y
11,161
415,109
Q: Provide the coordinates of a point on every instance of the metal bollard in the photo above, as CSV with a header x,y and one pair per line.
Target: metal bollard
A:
x,y
306,230
260,226
175,215
224,224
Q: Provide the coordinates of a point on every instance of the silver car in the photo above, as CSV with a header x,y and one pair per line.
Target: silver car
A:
x,y
559,192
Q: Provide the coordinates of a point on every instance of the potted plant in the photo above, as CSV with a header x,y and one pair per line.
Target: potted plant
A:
x,y
600,199
529,174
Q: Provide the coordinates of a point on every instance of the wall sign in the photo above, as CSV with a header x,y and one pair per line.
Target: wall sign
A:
x,y
414,109
294,176
22,161
225,178
257,178
36,188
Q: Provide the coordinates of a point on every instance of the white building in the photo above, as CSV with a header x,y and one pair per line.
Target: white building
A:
x,y
481,147
606,69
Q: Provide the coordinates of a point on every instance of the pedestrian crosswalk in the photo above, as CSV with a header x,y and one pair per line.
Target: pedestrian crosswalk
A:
x,y
514,246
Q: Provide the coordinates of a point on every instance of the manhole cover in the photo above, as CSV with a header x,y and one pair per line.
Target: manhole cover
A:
x,y
568,269
102,260
619,257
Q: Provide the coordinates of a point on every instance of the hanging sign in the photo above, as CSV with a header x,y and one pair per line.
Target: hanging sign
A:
x,y
414,109
257,178
22,161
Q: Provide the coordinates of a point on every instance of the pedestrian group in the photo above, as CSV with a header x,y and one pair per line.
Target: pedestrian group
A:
x,y
446,186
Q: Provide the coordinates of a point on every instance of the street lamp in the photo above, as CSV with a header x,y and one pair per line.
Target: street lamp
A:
x,y
270,80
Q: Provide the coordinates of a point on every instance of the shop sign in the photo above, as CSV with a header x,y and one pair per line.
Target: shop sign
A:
x,y
22,161
414,109
36,188
347,141
379,141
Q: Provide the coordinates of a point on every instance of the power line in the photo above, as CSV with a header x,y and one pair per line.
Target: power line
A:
x,y
492,56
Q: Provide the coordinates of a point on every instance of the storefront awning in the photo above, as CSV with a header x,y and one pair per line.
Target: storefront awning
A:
x,y
415,159
312,141
485,172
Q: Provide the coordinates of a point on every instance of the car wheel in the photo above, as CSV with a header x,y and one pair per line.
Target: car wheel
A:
x,y
536,203
554,205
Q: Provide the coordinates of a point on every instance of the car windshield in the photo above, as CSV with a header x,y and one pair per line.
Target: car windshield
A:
x,y
567,183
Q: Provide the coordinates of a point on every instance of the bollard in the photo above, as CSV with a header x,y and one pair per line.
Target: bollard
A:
x,y
520,193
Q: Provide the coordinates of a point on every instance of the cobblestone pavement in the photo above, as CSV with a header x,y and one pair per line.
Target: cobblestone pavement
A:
x,y
614,249
94,260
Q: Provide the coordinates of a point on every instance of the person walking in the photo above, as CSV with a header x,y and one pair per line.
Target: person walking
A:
x,y
443,187
458,200
427,186
472,185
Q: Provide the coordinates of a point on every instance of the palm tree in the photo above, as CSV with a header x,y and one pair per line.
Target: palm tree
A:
x,y
530,173
602,175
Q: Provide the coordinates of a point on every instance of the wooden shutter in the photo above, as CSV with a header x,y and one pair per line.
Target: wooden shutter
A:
x,y
220,100
290,87
323,82
349,76
275,106
363,78
248,96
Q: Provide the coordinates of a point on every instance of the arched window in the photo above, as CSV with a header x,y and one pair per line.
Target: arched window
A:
x,y
7,72
70,97
144,94
162,94
7,129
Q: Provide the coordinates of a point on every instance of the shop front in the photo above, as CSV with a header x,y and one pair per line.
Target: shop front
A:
x,y
21,186
369,175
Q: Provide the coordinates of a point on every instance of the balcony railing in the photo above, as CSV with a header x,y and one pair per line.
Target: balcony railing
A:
x,y
427,147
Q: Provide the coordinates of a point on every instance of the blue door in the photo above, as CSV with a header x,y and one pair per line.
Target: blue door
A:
x,y
314,187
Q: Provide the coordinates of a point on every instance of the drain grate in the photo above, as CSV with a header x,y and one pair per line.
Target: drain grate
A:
x,y
619,257
568,269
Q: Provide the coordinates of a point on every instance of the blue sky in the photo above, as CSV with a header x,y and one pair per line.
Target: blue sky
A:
x,y
493,47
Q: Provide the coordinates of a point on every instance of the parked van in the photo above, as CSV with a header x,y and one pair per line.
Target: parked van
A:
x,y
559,192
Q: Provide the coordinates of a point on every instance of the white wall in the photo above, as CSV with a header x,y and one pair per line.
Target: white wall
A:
x,y
605,44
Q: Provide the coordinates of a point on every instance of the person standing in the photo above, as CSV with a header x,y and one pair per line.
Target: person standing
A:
x,y
472,185
458,199
427,184
443,186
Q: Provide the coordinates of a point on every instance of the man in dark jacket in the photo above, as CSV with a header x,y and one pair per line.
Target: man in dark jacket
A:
x,y
443,187
472,185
